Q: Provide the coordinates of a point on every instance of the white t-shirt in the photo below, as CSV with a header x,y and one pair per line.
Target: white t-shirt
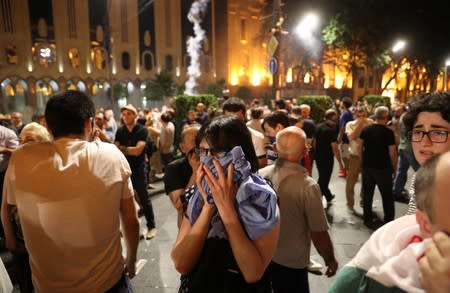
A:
x,y
258,142
68,195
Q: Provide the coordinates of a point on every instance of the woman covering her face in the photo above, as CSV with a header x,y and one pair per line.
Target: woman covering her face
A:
x,y
229,233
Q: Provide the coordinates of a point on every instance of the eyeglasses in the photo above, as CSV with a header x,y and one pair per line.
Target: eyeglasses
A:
x,y
209,152
436,136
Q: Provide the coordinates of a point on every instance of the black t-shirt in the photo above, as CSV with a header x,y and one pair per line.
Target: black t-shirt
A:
x,y
177,175
127,138
326,133
377,139
309,127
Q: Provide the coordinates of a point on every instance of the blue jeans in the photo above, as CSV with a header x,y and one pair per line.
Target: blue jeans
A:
x,y
122,286
383,179
288,280
139,180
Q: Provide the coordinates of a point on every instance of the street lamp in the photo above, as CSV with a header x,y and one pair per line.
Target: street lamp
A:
x,y
306,27
447,63
399,45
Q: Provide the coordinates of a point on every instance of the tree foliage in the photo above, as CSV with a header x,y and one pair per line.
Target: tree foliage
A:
x,y
161,86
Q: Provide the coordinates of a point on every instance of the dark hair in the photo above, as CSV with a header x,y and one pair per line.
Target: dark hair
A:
x,y
330,113
166,117
256,113
281,104
67,112
234,105
225,132
347,102
277,117
431,102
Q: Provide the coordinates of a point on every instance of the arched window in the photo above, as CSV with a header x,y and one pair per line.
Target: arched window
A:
x,y
169,62
11,54
70,85
147,59
74,58
98,57
81,86
126,60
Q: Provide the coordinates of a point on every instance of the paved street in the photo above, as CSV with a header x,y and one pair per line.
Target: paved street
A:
x,y
348,234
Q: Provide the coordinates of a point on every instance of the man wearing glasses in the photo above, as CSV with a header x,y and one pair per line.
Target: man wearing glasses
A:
x,y
427,123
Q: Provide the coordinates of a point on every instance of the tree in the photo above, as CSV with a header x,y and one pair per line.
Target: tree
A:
x,y
216,88
161,86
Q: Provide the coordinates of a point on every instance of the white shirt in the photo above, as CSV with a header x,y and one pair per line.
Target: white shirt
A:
x,y
68,195
258,142
8,139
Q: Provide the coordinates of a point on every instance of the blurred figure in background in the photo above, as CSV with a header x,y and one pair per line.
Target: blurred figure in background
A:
x,y
14,241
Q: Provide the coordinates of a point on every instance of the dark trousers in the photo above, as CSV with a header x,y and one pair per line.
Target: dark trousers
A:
x,y
405,160
166,159
139,180
325,169
383,179
122,286
288,280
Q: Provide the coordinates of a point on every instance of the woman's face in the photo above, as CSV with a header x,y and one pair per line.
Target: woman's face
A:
x,y
425,149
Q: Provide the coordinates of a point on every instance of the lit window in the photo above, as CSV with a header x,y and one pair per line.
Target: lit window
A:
x,y
11,54
98,57
74,58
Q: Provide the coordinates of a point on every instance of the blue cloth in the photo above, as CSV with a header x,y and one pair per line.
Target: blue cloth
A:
x,y
272,154
256,201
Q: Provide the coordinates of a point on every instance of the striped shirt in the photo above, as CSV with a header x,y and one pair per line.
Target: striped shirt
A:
x,y
412,197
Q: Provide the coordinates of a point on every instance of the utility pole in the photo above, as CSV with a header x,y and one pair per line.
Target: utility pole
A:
x,y
276,59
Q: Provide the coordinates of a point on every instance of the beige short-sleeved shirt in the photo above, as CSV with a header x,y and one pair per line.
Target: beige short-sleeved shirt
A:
x,y
301,211
68,195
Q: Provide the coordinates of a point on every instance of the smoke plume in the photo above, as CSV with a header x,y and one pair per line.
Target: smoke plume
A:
x,y
194,45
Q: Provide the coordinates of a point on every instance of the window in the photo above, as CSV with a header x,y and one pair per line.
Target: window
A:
x,y
243,31
98,57
11,54
371,81
74,58
148,60
126,60
7,16
361,82
45,53
169,62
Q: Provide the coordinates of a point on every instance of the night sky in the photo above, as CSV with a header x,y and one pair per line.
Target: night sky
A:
x,y
422,24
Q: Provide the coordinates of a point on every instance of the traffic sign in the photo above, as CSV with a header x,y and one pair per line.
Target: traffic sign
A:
x,y
273,65
273,45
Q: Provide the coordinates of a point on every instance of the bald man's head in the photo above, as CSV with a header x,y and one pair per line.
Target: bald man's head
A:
x,y
187,139
290,143
433,196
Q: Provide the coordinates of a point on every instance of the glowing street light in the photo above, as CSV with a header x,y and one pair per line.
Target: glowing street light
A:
x,y
307,26
399,45
447,64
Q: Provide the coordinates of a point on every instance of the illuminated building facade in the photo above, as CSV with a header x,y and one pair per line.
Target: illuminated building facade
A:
x,y
96,45
92,45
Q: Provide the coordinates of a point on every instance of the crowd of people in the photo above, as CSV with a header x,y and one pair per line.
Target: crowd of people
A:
x,y
241,181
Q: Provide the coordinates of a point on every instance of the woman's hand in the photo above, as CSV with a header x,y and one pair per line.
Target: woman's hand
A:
x,y
198,180
223,189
